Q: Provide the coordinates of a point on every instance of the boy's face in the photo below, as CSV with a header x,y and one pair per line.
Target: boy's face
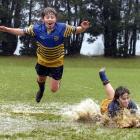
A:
x,y
49,20
124,100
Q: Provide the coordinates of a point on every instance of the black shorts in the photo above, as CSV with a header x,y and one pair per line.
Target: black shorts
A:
x,y
54,72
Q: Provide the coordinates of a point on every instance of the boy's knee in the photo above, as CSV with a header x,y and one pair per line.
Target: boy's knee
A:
x,y
55,87
54,90
41,79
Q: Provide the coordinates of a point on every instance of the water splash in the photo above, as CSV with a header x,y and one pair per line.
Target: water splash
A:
x,y
19,117
88,110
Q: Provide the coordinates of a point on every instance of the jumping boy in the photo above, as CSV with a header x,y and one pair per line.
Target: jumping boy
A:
x,y
49,36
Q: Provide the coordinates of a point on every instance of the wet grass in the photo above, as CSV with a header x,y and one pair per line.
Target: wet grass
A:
x,y
22,118
40,116
79,132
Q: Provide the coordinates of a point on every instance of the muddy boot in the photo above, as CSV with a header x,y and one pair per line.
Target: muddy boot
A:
x,y
39,96
40,91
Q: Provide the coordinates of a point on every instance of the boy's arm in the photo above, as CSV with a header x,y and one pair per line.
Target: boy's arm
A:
x,y
84,26
69,30
15,31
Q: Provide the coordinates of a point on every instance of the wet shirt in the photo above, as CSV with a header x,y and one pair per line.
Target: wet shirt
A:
x,y
114,108
50,45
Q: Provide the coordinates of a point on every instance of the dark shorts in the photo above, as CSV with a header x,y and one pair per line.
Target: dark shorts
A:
x,y
54,72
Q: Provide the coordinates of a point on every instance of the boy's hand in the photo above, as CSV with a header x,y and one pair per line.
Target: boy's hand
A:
x,y
3,28
85,24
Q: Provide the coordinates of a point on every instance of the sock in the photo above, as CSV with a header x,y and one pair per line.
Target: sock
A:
x,y
103,77
41,86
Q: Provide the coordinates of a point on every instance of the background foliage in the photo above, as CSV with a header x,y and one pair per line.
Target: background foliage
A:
x,y
117,20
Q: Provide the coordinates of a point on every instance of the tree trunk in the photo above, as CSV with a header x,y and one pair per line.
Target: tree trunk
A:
x,y
9,43
46,3
107,29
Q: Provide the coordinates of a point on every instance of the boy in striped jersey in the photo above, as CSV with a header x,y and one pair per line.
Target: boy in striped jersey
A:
x,y
49,36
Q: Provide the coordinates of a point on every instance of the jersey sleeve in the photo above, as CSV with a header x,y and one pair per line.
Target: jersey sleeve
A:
x,y
69,30
29,30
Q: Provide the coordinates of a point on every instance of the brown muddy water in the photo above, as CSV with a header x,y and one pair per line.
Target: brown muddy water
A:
x,y
18,118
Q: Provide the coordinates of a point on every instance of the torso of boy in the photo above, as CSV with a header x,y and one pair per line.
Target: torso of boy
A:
x,y
50,44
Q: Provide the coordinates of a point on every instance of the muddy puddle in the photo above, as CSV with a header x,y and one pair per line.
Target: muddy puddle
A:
x,y
19,117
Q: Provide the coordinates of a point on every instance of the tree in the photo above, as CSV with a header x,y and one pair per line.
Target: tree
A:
x,y
11,18
135,28
129,27
74,14
29,43
119,22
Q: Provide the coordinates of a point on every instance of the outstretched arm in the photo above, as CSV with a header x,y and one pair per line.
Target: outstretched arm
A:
x,y
108,87
15,31
83,27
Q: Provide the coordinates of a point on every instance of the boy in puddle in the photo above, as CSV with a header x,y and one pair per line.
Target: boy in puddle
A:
x,y
117,100
49,36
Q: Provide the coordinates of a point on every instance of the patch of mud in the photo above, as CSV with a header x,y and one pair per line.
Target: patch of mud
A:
x,y
15,118
88,110
18,117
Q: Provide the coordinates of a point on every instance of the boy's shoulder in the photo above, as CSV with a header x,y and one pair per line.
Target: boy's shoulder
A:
x,y
114,105
60,24
132,105
39,25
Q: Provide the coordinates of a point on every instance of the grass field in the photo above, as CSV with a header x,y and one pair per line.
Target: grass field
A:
x,y
22,118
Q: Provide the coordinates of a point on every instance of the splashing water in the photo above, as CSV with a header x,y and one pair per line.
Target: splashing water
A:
x,y
19,117
89,110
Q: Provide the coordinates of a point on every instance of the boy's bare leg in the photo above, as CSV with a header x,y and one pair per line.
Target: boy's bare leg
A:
x,y
108,87
54,85
109,91
41,83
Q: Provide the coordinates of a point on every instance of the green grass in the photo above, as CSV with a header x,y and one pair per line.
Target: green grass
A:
x,y
80,81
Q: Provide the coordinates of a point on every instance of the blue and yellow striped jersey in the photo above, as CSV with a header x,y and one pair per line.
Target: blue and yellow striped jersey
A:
x,y
50,45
